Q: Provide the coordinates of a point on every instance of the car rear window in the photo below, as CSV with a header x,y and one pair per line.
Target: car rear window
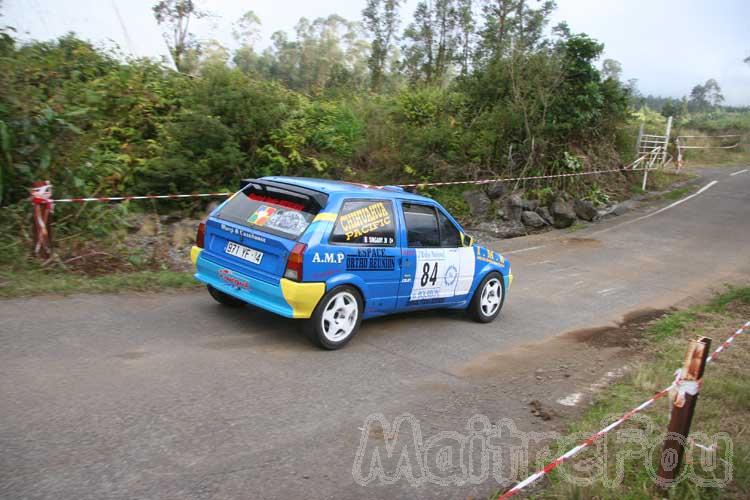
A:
x,y
277,210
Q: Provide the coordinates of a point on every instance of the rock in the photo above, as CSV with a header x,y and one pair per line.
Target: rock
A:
x,y
183,233
530,205
495,191
585,210
514,208
499,214
563,214
510,229
532,219
622,208
479,203
544,214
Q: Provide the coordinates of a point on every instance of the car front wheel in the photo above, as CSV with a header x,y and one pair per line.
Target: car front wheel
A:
x,y
488,298
337,317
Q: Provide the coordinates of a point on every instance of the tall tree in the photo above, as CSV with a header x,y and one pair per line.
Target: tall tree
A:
x,y
466,29
380,18
246,31
175,16
433,40
705,97
611,69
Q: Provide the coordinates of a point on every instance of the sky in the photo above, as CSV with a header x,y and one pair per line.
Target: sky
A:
x,y
667,45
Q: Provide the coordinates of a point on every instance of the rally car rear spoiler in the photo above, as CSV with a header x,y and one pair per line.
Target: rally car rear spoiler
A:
x,y
321,199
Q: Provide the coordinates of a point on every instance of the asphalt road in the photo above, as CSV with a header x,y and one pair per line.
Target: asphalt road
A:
x,y
172,396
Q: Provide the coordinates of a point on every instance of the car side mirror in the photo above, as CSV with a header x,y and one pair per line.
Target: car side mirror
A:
x,y
466,240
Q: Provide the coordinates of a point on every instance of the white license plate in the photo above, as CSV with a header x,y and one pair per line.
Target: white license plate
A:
x,y
245,253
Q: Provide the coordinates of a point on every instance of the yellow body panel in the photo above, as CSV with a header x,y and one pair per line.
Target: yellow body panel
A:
x,y
325,216
194,253
303,297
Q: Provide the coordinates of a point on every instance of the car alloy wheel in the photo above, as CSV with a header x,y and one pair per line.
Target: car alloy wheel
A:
x,y
491,298
339,317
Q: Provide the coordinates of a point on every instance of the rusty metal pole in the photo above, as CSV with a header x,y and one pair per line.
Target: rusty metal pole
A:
x,y
681,416
42,207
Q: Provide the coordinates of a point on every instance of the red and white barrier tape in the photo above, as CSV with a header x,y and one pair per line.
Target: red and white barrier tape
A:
x,y
144,197
631,167
511,179
680,386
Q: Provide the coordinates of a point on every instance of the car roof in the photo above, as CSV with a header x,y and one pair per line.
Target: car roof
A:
x,y
348,188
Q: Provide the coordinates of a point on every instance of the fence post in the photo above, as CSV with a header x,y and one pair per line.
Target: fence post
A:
x,y
666,140
42,206
638,142
682,410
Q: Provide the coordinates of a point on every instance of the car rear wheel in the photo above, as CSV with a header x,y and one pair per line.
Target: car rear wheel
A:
x,y
224,299
336,318
488,298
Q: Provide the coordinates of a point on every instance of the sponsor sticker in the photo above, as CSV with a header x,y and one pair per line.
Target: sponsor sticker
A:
x,y
262,215
370,259
227,276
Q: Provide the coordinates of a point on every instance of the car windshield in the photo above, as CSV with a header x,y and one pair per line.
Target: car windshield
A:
x,y
282,211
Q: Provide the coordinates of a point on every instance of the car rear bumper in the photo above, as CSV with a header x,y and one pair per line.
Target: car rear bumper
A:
x,y
289,298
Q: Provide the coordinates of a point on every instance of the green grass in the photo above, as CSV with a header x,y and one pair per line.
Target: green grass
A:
x,y
577,226
678,193
723,407
37,282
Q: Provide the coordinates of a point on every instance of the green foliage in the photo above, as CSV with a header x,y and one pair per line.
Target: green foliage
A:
x,y
96,125
597,195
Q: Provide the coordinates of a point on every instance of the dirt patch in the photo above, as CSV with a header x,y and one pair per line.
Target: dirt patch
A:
x,y
555,376
131,355
581,242
626,334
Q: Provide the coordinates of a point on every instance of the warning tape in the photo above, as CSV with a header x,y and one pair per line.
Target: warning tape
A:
x,y
626,416
512,179
144,197
630,167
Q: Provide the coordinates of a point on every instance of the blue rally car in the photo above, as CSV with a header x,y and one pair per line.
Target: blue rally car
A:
x,y
336,253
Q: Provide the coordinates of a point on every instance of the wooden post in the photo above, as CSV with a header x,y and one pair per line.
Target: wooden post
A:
x,y
42,206
682,411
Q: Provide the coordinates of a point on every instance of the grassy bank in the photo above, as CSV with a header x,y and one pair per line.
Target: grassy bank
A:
x,y
38,282
723,407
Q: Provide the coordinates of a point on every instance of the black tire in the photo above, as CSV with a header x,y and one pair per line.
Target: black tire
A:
x,y
323,335
225,299
475,310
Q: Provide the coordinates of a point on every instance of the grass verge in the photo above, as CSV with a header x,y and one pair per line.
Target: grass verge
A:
x,y
618,466
36,282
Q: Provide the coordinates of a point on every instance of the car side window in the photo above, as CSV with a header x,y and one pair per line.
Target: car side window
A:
x,y
365,222
449,235
421,226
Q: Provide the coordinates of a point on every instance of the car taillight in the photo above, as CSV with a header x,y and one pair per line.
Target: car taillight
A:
x,y
200,236
294,262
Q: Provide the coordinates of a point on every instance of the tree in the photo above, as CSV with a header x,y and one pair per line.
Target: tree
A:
x,y
466,29
706,97
381,21
611,69
713,93
175,16
434,41
512,23
246,30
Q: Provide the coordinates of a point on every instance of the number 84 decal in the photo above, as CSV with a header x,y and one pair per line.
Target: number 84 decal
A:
x,y
437,274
